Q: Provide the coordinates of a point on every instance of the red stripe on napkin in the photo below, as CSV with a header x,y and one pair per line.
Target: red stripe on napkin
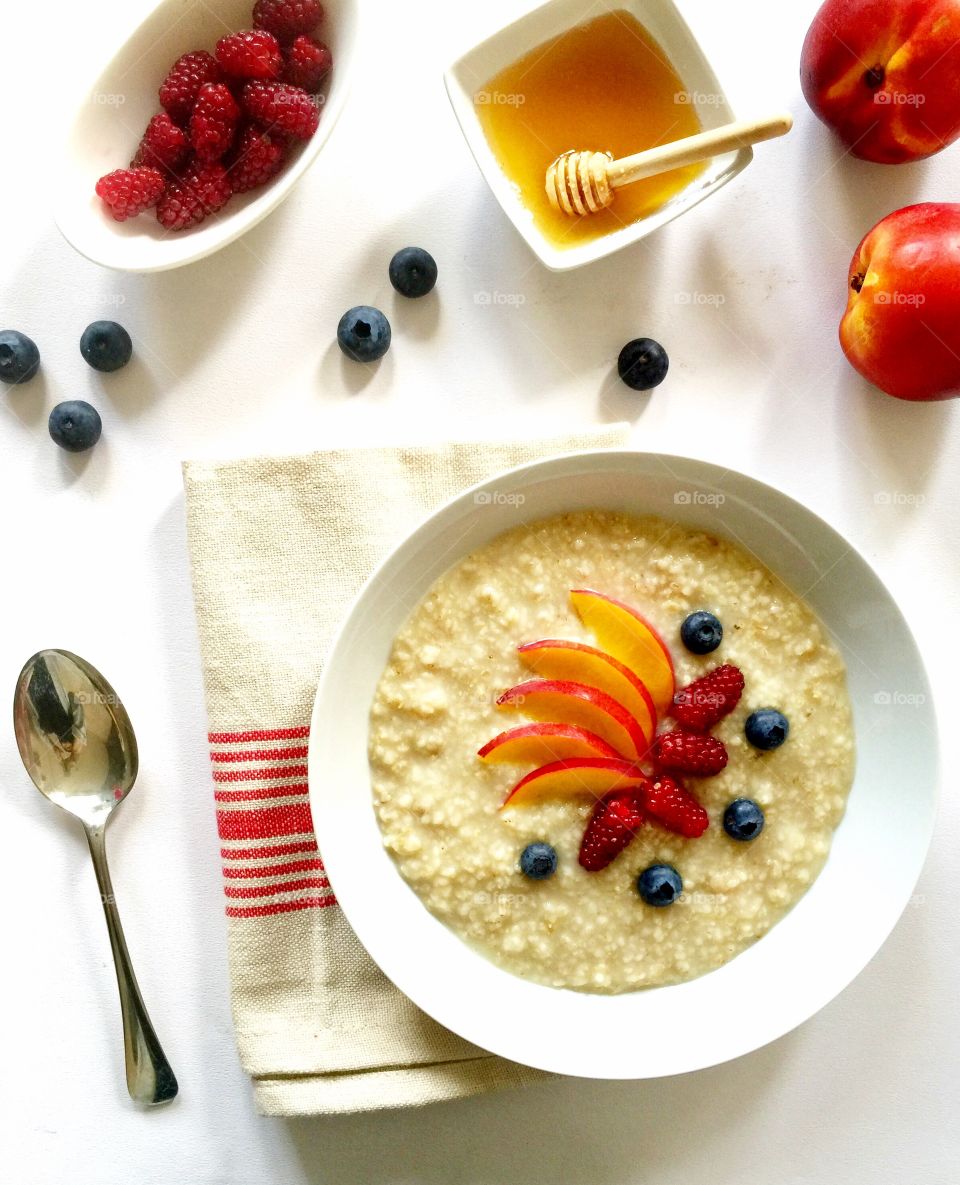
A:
x,y
274,869
269,851
290,754
261,792
306,882
264,824
258,734
267,774
263,911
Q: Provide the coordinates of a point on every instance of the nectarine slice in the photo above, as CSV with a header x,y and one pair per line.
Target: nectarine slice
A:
x,y
539,744
579,663
580,705
623,633
577,777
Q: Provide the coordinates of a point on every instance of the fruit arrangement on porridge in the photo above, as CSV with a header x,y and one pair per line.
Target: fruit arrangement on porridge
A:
x,y
680,755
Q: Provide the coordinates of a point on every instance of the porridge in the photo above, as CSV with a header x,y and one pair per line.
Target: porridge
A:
x,y
539,669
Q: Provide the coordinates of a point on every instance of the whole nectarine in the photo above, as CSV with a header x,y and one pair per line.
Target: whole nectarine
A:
x,y
885,75
901,328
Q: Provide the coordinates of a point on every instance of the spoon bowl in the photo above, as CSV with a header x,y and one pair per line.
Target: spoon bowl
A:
x,y
111,115
78,746
74,735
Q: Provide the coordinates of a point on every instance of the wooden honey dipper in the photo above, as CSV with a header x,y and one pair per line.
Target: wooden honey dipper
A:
x,y
583,182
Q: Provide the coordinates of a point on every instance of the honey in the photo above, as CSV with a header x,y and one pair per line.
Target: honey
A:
x,y
605,85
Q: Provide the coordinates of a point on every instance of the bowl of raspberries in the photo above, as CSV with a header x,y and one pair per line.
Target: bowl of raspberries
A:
x,y
199,127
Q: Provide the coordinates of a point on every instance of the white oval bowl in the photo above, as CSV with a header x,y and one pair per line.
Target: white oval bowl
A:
x,y
805,959
664,22
112,114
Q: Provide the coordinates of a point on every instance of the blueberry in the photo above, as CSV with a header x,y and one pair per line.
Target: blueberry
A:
x,y
364,333
701,632
743,819
643,363
19,357
106,345
766,728
659,885
75,425
538,861
413,271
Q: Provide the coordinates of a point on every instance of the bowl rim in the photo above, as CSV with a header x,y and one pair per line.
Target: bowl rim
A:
x,y
223,229
427,980
516,34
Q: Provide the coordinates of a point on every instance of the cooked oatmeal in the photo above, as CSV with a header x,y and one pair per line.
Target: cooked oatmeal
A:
x,y
438,804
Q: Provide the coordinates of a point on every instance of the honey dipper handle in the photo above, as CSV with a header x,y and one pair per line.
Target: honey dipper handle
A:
x,y
693,149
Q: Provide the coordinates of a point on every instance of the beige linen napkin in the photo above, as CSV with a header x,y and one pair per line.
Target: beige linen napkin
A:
x,y
279,548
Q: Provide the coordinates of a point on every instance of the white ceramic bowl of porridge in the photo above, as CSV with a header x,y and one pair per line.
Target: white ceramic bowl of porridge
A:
x,y
798,964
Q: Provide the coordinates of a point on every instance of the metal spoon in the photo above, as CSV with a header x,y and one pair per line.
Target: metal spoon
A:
x,y
77,743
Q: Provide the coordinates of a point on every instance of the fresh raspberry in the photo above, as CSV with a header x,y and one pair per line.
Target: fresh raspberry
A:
x,y
254,53
214,121
163,146
187,201
706,700
689,753
282,107
178,91
307,63
128,192
674,807
255,159
615,821
286,19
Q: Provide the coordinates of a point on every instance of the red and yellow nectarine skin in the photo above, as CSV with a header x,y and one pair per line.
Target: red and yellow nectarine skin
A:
x,y
585,707
582,777
901,328
543,743
552,658
884,75
631,640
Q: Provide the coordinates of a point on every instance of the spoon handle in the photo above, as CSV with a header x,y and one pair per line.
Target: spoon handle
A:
x,y
150,1078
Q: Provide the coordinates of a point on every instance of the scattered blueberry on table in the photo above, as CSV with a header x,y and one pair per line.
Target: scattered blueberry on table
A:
x,y
538,861
743,819
643,364
19,357
75,426
701,632
364,333
659,885
106,345
413,271
766,728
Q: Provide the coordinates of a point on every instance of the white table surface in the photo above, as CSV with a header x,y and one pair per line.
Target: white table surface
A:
x,y
237,355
